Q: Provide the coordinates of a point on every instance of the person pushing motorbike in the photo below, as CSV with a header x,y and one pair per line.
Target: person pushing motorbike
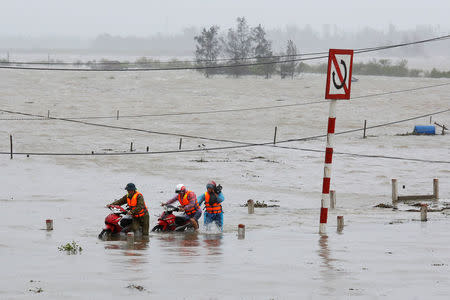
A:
x,y
189,204
213,198
137,208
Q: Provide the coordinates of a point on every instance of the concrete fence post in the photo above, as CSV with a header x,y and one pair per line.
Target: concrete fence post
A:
x,y
130,239
436,188
241,231
394,191
423,212
332,199
251,206
340,223
49,224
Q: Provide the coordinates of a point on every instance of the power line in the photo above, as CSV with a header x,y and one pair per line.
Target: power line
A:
x,y
368,155
44,118
361,50
224,140
320,56
246,145
220,148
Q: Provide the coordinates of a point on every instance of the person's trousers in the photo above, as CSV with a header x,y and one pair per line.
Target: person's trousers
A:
x,y
143,222
216,218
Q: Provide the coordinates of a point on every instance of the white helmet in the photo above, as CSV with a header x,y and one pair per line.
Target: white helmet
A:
x,y
180,188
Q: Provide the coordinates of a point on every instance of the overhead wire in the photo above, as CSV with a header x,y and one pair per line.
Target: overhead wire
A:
x,y
246,145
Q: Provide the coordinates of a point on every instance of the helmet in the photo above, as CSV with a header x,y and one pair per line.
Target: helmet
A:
x,y
130,187
211,184
180,188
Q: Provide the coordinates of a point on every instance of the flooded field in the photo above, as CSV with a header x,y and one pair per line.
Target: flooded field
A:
x,y
381,253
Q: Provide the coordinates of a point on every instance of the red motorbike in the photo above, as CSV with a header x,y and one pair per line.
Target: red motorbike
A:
x,y
117,221
170,222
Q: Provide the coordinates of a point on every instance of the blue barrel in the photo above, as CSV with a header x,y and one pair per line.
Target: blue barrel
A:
x,y
424,129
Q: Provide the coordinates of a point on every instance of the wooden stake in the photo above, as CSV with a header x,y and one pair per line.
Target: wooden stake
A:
x,y
181,140
10,142
275,135
48,114
365,125
131,147
147,148
117,114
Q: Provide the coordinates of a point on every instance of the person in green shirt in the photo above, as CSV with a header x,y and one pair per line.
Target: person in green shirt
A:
x,y
136,208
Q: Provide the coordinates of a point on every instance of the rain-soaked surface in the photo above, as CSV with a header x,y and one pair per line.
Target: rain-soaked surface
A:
x,y
380,253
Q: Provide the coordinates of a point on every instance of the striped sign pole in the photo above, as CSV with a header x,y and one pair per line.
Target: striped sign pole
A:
x,y
325,203
338,84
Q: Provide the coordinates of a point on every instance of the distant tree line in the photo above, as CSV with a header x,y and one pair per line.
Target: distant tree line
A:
x,y
381,67
246,50
243,50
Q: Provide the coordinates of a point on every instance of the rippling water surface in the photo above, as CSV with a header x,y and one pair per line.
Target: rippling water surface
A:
x,y
381,253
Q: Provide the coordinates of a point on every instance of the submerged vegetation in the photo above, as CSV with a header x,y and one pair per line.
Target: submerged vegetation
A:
x,y
71,248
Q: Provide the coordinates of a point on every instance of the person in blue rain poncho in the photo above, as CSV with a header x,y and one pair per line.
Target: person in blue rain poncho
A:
x,y
213,198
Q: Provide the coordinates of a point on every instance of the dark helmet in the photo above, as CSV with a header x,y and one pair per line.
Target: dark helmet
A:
x,y
130,187
211,184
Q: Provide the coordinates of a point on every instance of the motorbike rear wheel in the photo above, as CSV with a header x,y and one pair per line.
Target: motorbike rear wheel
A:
x,y
157,228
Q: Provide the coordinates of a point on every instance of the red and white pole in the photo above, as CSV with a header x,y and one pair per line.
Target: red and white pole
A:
x,y
325,203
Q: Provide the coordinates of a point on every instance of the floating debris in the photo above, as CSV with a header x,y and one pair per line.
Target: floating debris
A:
x,y
261,204
383,205
137,287
36,290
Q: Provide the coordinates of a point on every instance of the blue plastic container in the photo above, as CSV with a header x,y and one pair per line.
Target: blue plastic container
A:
x,y
424,129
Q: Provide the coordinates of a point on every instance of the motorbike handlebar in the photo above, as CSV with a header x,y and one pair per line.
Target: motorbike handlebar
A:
x,y
170,207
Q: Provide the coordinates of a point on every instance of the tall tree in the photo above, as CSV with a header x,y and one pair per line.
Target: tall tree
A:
x,y
288,68
238,45
208,48
263,52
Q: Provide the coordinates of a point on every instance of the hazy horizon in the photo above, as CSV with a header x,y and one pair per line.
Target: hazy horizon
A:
x,y
88,19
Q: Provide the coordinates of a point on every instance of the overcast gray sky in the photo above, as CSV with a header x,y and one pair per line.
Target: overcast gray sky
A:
x,y
88,18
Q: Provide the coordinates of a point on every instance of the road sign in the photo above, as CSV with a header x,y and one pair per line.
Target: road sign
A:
x,y
339,75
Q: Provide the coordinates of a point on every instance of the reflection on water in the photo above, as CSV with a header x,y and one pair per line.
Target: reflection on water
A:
x,y
324,251
191,243
327,270
213,243
188,244
171,247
